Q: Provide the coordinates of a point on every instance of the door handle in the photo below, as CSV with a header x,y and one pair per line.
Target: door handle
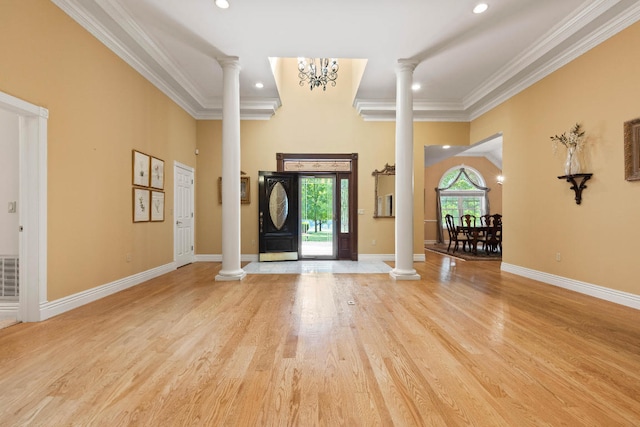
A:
x,y
178,222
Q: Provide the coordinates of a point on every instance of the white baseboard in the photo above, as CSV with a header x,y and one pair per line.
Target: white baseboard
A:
x,y
9,308
361,257
600,292
209,258
376,257
387,257
62,305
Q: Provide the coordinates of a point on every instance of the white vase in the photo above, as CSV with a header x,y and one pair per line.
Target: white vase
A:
x,y
572,165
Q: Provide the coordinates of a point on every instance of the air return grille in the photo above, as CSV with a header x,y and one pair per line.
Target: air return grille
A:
x,y
9,268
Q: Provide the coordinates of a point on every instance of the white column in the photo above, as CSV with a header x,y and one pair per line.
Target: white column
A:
x,y
230,170
404,172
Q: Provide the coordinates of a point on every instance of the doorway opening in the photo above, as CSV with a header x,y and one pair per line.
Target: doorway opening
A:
x,y
317,216
333,229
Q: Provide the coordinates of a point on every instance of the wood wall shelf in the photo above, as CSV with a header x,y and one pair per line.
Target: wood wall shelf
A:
x,y
577,187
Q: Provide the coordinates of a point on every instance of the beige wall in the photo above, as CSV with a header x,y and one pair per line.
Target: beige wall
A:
x,y
315,122
99,110
434,173
600,90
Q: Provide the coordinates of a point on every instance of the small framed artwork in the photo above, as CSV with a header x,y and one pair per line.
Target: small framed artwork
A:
x,y
157,173
632,150
140,169
244,190
157,206
141,209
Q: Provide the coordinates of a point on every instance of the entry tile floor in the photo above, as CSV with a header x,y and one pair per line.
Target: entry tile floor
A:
x,y
313,267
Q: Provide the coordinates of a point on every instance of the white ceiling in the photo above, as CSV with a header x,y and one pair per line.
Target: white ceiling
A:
x,y
467,63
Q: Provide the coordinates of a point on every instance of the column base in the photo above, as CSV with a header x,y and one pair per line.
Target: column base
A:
x,y
404,274
228,276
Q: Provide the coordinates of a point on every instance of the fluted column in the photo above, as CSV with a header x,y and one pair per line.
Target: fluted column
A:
x,y
231,269
404,172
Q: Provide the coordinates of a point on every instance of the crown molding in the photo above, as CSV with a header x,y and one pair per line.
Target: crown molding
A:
x,y
79,14
381,110
250,109
506,83
611,28
539,48
123,17
509,81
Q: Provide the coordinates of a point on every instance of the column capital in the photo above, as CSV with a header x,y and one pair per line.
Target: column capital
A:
x,y
229,62
406,65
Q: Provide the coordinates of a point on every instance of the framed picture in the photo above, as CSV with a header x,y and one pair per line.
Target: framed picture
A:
x,y
157,206
140,205
140,169
157,173
632,150
244,190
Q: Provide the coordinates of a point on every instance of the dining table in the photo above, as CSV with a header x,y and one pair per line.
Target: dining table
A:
x,y
477,233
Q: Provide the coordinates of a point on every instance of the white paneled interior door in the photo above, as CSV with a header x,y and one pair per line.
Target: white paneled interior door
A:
x,y
183,214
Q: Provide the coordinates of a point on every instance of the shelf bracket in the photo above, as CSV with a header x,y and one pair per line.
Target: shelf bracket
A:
x,y
577,187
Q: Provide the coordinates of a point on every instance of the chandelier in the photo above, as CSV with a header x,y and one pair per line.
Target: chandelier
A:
x,y
318,72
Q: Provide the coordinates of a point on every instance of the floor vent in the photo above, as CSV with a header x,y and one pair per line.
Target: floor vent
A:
x,y
9,267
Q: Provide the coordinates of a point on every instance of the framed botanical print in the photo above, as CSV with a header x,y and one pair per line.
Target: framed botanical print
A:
x,y
140,169
157,206
140,205
632,150
157,173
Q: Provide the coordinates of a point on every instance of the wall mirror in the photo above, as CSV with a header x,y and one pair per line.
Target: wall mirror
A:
x,y
385,196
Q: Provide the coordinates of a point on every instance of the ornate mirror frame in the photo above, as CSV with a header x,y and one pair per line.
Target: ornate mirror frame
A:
x,y
381,204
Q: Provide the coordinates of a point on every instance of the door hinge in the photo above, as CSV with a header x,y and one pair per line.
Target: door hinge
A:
x,y
191,247
191,214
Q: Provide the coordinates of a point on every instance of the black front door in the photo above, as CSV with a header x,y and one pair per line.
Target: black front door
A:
x,y
278,216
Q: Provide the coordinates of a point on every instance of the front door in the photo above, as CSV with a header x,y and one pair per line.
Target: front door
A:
x,y
278,216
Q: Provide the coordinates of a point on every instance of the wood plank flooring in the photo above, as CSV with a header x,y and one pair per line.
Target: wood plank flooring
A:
x,y
466,345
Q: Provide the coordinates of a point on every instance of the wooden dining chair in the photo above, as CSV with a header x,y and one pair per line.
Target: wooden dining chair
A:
x,y
454,235
468,220
492,239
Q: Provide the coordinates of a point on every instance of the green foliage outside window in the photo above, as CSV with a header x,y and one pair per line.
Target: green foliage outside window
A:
x,y
454,201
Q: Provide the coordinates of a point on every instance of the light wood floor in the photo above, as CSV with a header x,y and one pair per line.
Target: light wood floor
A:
x,y
466,345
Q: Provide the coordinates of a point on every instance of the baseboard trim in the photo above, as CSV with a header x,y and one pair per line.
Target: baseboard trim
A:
x,y
209,258
218,258
596,291
361,257
9,308
50,309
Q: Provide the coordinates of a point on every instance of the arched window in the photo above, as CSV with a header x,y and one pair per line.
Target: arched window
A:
x,y
461,191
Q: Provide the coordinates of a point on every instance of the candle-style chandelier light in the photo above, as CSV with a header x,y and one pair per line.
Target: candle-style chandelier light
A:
x,y
317,72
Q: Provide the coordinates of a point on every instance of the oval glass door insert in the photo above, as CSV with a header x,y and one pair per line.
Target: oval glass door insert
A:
x,y
278,205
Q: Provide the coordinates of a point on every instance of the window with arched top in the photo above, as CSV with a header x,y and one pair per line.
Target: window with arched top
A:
x,y
461,191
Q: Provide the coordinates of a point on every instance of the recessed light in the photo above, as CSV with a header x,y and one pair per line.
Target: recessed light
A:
x,y
480,8
222,4
446,147
259,85
415,87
